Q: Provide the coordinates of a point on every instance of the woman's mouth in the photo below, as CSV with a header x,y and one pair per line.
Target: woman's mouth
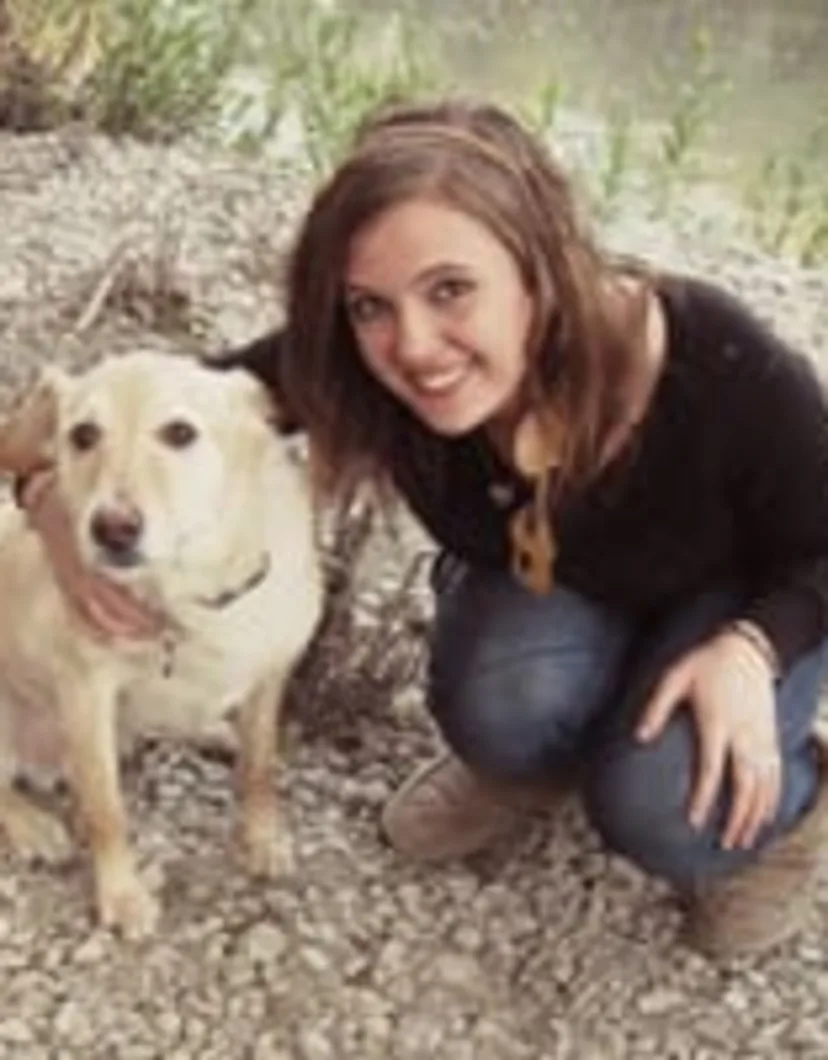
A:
x,y
438,384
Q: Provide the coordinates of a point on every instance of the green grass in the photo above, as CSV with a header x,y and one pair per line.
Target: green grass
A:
x,y
787,200
161,69
331,67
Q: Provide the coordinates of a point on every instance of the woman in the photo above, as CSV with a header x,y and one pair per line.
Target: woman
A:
x,y
628,477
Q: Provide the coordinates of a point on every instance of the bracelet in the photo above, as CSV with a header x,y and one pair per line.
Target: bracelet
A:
x,y
28,487
20,484
757,638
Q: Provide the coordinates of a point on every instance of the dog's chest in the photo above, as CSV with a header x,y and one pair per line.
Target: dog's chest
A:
x,y
187,682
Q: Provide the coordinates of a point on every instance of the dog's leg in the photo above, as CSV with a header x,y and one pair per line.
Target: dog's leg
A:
x,y
89,715
34,834
266,840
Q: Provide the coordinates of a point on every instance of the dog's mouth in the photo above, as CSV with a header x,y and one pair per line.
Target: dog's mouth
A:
x,y
119,559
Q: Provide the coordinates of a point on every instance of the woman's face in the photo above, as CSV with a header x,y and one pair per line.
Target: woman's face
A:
x,y
440,314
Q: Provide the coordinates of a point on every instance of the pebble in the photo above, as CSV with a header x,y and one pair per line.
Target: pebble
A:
x,y
264,944
15,1031
659,1001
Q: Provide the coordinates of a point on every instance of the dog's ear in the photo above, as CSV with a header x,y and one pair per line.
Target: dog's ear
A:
x,y
27,434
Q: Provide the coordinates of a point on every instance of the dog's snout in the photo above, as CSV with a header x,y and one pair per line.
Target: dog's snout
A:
x,y
117,529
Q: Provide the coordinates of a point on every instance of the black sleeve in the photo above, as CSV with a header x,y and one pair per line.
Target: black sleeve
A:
x,y
263,358
776,424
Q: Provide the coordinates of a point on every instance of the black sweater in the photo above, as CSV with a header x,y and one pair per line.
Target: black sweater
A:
x,y
724,484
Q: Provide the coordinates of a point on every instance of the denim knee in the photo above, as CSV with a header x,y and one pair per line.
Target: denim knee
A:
x,y
637,796
515,679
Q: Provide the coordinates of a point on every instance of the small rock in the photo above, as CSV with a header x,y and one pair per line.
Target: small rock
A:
x,y
313,1045
316,959
457,971
92,949
658,1001
736,999
267,1048
71,1023
15,1031
264,944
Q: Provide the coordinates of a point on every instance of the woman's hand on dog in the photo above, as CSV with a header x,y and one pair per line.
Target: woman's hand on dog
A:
x,y
728,687
107,608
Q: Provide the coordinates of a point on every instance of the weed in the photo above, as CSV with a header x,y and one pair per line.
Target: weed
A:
x,y
163,65
541,108
679,147
328,67
787,201
618,160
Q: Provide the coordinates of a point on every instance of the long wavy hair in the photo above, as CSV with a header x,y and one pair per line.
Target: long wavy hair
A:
x,y
478,159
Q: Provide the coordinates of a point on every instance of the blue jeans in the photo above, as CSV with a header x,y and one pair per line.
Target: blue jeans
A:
x,y
523,685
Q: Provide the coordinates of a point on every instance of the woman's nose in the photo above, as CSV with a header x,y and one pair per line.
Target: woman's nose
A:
x,y
416,337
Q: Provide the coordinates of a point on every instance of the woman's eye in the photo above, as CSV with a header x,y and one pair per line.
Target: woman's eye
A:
x,y
446,291
364,309
84,436
178,434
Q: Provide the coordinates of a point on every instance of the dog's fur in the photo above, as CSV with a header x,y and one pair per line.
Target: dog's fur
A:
x,y
177,486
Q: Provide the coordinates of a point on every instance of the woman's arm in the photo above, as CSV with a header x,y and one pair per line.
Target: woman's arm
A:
x,y
776,436
263,358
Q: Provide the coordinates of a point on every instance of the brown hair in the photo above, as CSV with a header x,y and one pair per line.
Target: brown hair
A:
x,y
478,159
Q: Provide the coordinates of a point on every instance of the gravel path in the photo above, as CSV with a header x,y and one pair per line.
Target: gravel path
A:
x,y
544,949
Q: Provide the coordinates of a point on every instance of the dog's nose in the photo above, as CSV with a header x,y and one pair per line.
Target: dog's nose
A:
x,y
117,529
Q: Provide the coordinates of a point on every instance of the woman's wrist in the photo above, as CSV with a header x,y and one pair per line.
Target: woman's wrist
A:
x,y
752,634
31,489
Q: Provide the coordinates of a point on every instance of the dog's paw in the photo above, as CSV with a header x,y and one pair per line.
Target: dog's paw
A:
x,y
127,906
269,851
219,742
36,835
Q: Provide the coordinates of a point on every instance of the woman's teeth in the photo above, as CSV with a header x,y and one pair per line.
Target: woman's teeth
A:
x,y
440,381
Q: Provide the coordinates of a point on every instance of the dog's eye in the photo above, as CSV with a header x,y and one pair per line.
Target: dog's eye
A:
x,y
178,434
84,436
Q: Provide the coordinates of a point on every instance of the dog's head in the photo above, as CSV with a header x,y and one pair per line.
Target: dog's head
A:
x,y
153,453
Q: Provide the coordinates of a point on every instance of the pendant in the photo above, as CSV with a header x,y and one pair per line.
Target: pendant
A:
x,y
501,494
533,546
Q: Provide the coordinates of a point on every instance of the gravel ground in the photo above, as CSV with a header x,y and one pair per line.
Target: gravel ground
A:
x,y
545,948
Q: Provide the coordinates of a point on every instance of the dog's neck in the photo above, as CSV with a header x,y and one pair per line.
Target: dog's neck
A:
x,y
241,561
218,601
231,593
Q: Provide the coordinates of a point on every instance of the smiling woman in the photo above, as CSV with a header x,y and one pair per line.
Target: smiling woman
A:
x,y
634,575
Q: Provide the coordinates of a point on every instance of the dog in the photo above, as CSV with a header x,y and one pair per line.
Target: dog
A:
x,y
177,486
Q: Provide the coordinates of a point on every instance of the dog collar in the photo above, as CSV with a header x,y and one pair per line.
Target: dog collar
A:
x,y
169,641
236,592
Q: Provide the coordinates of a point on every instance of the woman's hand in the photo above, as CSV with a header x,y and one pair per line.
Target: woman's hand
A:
x,y
106,607
727,683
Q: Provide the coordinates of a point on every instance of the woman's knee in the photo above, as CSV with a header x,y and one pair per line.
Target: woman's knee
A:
x,y
516,678
637,796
